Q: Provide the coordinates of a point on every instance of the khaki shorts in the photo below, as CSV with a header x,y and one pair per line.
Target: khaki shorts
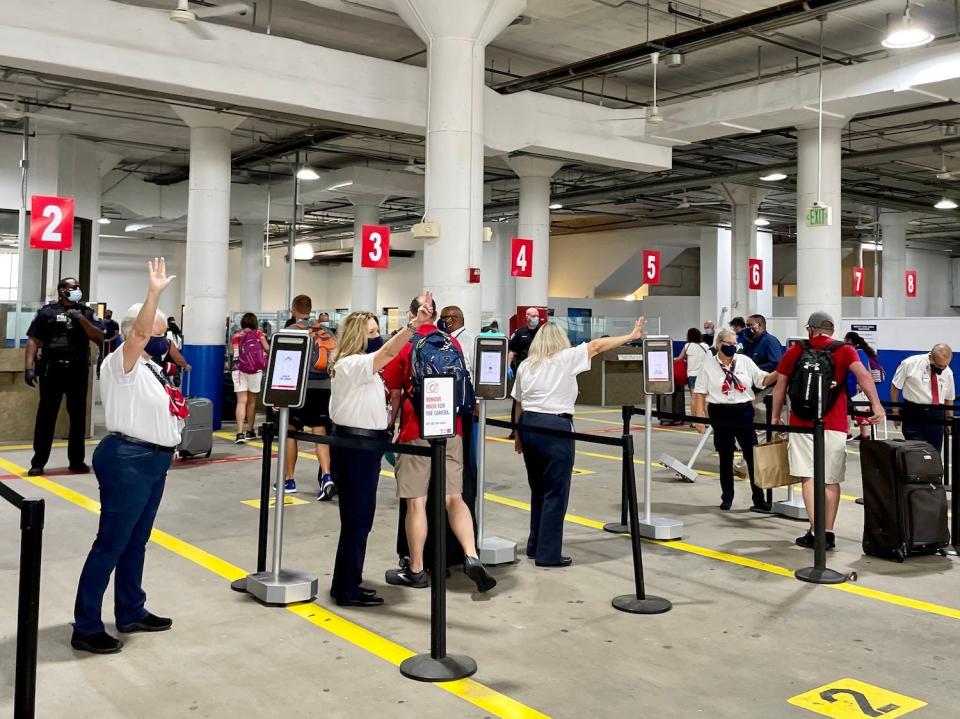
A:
x,y
243,382
834,456
413,472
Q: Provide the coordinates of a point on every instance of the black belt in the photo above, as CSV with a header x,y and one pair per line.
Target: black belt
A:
x,y
142,443
565,415
358,432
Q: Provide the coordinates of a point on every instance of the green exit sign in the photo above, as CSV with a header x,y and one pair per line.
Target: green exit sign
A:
x,y
819,216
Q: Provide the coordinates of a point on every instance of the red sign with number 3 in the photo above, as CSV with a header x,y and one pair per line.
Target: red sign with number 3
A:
x,y
858,275
521,257
755,274
910,276
651,267
51,223
375,246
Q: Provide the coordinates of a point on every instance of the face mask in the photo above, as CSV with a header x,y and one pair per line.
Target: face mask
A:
x,y
533,322
75,295
728,350
751,333
935,369
442,325
157,346
374,343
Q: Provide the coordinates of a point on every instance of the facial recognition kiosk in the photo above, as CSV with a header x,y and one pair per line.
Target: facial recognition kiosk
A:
x,y
490,382
285,386
793,506
657,380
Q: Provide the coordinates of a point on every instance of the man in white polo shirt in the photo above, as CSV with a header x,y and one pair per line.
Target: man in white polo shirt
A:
x,y
926,384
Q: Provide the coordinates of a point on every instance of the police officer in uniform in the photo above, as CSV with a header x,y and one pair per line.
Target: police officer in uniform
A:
x,y
519,346
61,332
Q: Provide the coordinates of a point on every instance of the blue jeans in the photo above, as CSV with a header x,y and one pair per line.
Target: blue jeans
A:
x,y
131,479
549,463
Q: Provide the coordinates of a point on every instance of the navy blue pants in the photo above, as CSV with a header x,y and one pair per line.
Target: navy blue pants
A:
x,y
724,440
356,473
131,479
912,429
549,463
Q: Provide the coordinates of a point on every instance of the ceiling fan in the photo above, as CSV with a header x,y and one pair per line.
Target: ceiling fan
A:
x,y
685,203
15,110
413,167
187,16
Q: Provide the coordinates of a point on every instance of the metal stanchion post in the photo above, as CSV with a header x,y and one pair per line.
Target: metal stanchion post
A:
x,y
438,666
946,452
266,464
492,550
954,548
622,527
768,406
819,573
650,526
28,608
639,602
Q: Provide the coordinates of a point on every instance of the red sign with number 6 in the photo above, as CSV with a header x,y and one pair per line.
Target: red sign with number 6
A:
x,y
911,281
51,223
755,273
651,267
375,246
521,257
858,275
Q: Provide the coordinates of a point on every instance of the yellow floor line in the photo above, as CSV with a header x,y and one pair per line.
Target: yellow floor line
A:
x,y
55,445
258,444
469,690
860,590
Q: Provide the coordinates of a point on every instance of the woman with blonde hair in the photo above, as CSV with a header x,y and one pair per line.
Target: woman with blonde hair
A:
x,y
358,409
546,391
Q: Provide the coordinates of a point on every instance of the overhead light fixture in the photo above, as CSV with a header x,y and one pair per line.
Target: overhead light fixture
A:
x,y
629,298
761,222
735,126
303,251
946,204
773,177
903,34
556,206
137,226
338,185
104,220
653,112
307,173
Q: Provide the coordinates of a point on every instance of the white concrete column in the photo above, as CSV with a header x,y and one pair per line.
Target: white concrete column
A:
x,y
760,302
498,289
893,231
745,203
534,224
818,248
456,33
715,286
363,290
251,267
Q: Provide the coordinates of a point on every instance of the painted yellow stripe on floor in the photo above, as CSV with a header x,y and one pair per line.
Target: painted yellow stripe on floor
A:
x,y
857,589
469,690
55,445
258,444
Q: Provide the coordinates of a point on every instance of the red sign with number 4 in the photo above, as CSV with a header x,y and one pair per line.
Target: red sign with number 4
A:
x,y
755,274
51,223
858,275
375,246
910,276
521,257
651,267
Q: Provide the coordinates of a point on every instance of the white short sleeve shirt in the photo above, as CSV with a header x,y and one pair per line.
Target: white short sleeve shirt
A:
x,y
696,354
712,376
913,379
550,386
357,395
136,404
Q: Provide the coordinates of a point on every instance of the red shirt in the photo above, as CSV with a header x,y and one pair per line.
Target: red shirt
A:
x,y
843,357
397,374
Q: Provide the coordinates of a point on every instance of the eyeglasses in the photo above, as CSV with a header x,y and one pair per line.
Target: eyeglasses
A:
x,y
449,317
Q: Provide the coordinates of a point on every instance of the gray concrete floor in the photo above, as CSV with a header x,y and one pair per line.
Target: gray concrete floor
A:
x,y
741,640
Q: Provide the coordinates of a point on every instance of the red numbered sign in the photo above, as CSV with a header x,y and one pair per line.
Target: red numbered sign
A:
x,y
755,274
51,223
375,246
521,257
651,267
858,281
910,276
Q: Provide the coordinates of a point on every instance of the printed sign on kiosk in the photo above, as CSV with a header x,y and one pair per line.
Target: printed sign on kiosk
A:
x,y
438,410
286,377
657,365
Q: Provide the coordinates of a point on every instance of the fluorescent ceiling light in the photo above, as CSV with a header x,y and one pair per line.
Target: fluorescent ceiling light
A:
x,y
904,34
925,93
761,222
303,251
556,206
307,173
104,220
735,126
868,245
946,204
675,140
136,226
826,113
773,177
629,298
338,185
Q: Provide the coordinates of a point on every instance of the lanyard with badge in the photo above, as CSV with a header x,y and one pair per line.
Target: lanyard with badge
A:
x,y
730,379
178,405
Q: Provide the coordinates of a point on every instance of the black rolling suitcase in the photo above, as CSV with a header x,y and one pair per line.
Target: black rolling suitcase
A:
x,y
672,404
904,499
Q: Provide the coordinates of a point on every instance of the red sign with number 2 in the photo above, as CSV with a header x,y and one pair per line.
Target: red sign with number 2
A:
x,y
521,257
651,267
858,275
375,246
755,274
910,276
51,223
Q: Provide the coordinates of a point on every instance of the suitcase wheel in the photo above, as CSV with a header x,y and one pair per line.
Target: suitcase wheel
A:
x,y
901,555
207,455
184,454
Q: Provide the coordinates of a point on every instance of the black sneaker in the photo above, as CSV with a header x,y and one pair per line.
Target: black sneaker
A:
x,y
240,439
99,643
474,569
150,623
809,541
251,434
404,577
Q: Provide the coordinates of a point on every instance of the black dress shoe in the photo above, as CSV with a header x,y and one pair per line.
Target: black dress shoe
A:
x,y
99,643
564,562
363,600
364,592
82,468
35,472
474,569
725,505
150,623
761,508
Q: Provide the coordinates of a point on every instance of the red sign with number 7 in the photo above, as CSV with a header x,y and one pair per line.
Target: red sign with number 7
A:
x,y
651,267
51,223
910,278
375,246
858,275
755,274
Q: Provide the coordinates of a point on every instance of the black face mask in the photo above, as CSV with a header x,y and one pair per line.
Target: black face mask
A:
x,y
936,370
442,325
728,350
374,343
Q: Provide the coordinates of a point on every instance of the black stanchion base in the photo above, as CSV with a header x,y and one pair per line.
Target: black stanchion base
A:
x,y
858,500
820,576
424,668
239,585
650,605
616,528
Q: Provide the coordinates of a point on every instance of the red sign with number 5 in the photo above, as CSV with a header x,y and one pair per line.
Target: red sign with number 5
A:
x,y
51,223
755,274
651,267
910,276
521,257
858,276
375,246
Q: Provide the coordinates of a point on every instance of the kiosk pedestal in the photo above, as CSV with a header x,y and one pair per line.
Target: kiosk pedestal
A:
x,y
792,507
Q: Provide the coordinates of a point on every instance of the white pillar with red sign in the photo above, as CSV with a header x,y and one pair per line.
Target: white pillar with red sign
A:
x,y
363,288
748,243
893,235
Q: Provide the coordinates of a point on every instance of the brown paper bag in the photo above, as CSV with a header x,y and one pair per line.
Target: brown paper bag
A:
x,y
771,467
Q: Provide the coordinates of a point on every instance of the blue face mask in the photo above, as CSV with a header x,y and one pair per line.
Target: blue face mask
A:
x,y
75,295
533,322
157,346
374,343
728,350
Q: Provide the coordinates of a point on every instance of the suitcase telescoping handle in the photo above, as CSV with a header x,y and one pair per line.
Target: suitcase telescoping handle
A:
x,y
186,386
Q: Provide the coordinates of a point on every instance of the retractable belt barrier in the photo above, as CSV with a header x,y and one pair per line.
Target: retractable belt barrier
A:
x,y
28,600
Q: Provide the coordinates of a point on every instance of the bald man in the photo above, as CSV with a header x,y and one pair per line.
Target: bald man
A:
x,y
926,384
451,322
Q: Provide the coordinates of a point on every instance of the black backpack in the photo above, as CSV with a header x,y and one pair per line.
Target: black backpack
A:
x,y
813,389
436,354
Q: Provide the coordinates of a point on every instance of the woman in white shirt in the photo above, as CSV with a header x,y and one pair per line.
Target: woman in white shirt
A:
x,y
546,390
358,409
144,417
694,352
725,385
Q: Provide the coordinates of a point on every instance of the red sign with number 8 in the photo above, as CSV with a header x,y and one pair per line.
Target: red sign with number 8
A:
x,y
521,257
375,247
51,223
651,267
858,275
755,274
910,276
